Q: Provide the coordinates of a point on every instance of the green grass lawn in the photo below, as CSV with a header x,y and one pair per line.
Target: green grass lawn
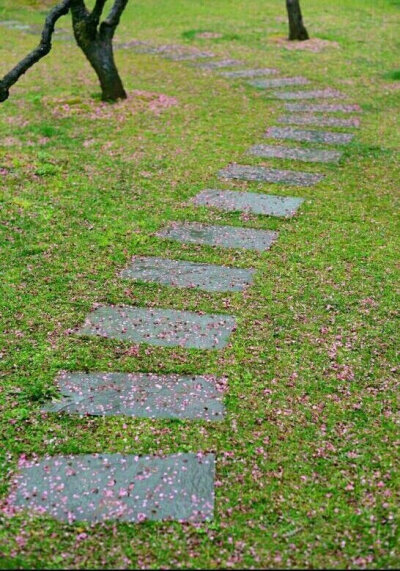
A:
x,y
307,467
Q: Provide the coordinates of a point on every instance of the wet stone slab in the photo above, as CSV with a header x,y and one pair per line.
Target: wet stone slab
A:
x,y
141,395
322,108
245,73
309,136
253,202
219,64
221,236
309,94
278,82
100,487
318,121
296,153
187,56
264,174
178,273
163,327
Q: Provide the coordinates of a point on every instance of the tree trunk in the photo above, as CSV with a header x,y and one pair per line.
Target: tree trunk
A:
x,y
97,46
297,30
100,54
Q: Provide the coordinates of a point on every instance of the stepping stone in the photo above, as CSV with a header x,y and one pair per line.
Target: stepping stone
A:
x,y
162,327
141,395
278,82
218,64
99,487
318,121
314,94
187,56
295,153
322,108
309,136
238,73
221,236
178,273
231,201
15,25
264,174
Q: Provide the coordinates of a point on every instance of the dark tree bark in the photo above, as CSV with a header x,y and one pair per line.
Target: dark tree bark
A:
x,y
297,30
92,36
95,40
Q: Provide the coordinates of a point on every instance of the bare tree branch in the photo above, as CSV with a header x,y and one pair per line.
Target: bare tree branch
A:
x,y
109,25
96,13
38,53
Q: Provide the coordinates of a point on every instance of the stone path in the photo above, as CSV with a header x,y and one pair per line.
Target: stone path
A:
x,y
243,73
162,327
279,82
100,487
322,107
297,119
212,65
309,94
265,204
221,236
295,153
142,395
263,174
178,273
309,136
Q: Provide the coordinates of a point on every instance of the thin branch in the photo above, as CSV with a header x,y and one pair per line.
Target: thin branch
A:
x,y
109,25
38,53
97,11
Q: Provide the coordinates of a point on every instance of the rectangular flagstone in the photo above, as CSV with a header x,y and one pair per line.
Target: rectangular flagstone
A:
x,y
218,64
322,107
163,327
141,395
295,153
179,273
278,82
309,94
253,202
309,136
239,73
127,488
221,236
264,174
318,121
187,56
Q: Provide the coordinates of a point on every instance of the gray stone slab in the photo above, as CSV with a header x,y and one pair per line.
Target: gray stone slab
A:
x,y
100,487
309,94
322,108
264,174
278,82
318,121
310,136
15,25
221,236
163,327
142,395
178,273
218,64
231,201
187,56
137,46
245,73
296,153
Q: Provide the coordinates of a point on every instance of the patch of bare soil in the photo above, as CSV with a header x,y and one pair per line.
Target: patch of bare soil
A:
x,y
313,45
137,101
